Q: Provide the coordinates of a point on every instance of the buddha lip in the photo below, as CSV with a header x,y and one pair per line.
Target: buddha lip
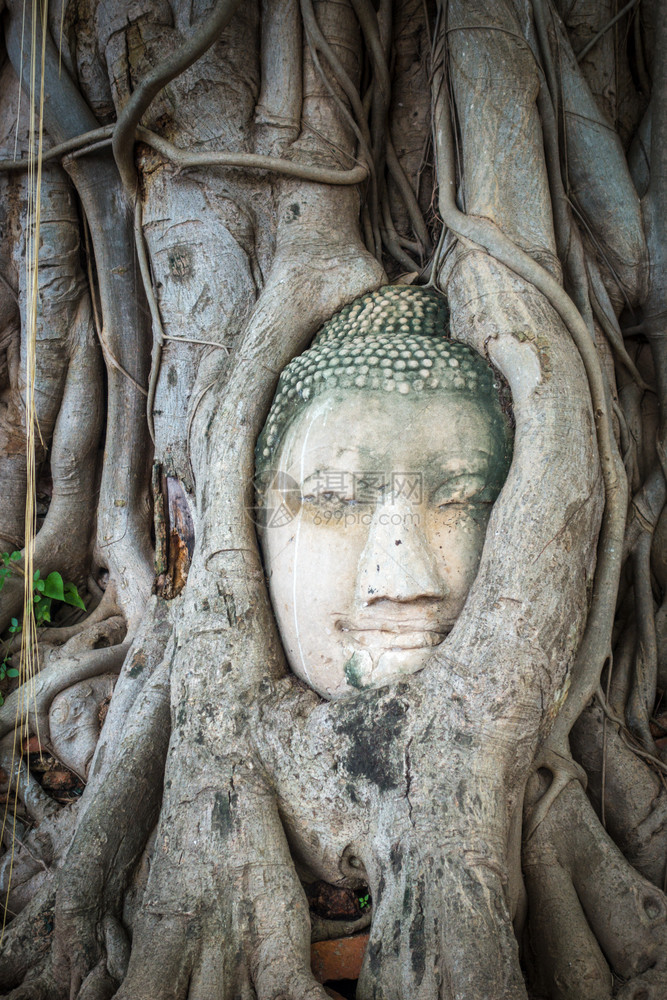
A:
x,y
406,636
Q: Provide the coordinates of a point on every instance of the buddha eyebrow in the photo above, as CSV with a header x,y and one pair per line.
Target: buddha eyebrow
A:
x,y
474,463
329,478
456,473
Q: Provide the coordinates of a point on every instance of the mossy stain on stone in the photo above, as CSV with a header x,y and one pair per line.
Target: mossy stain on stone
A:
x,y
353,672
374,749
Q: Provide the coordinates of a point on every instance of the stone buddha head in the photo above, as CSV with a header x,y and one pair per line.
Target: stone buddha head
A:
x,y
384,450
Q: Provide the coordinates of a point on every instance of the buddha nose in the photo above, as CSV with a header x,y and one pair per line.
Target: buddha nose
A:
x,y
397,563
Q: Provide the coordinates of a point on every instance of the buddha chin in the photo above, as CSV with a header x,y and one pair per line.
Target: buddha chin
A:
x,y
376,668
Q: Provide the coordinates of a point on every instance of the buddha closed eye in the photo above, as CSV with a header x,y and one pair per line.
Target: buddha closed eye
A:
x,y
384,451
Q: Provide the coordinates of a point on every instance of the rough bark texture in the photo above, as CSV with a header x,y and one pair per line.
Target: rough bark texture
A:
x,y
503,809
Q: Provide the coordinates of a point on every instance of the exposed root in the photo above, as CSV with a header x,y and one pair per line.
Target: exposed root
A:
x,y
633,800
106,846
98,984
563,771
106,610
34,855
595,644
652,985
584,898
104,634
26,941
188,52
590,912
75,723
40,806
61,670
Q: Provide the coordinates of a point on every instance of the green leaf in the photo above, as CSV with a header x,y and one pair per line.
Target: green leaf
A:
x,y
72,596
36,575
12,672
53,587
14,627
43,611
15,556
39,586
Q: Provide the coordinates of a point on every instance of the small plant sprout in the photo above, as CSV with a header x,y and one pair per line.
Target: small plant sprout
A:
x,y
45,592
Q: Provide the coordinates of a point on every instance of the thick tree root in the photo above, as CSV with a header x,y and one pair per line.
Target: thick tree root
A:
x,y
90,885
589,910
74,721
32,859
107,609
223,912
26,941
38,804
63,541
109,840
635,801
63,669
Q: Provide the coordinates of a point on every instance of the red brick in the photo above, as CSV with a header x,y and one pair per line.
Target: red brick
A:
x,y
338,959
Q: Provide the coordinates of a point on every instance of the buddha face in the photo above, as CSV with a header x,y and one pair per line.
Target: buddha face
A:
x,y
381,530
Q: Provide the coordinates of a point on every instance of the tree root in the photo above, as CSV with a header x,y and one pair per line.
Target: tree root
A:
x,y
652,985
63,669
40,806
26,941
189,51
563,771
74,721
107,609
184,158
123,510
35,855
73,465
635,801
596,642
586,901
106,847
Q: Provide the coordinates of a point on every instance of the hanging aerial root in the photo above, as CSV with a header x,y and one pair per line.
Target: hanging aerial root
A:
x,y
382,146
188,52
353,115
89,142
